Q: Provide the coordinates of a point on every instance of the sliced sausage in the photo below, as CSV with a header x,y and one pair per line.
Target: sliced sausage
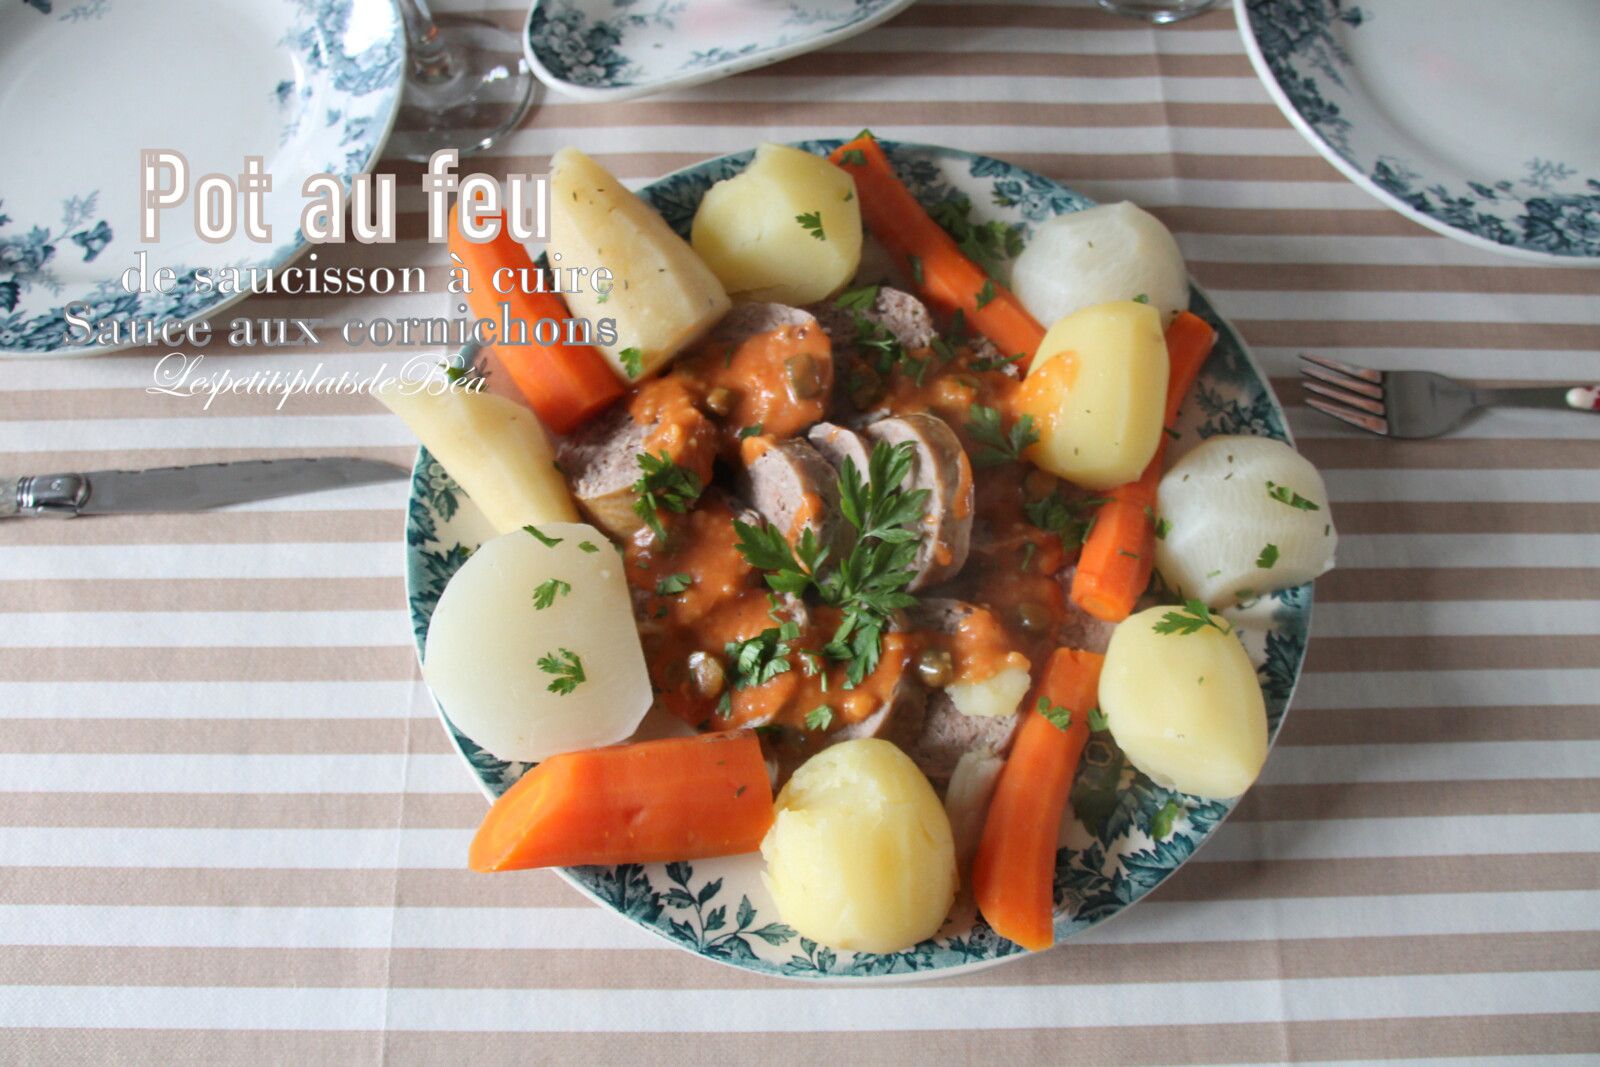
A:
x,y
837,444
793,488
902,314
601,462
1078,628
947,734
939,465
785,384
858,385
944,733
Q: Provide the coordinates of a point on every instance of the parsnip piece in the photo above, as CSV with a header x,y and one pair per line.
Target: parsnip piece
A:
x,y
664,297
966,800
1244,516
1110,252
787,229
522,615
494,448
1096,390
861,855
1186,708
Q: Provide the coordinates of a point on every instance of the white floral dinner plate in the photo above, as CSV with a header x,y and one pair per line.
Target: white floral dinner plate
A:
x,y
1477,118
620,49
309,85
1124,834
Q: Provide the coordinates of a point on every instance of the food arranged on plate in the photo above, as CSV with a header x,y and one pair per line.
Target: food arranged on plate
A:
x,y
887,542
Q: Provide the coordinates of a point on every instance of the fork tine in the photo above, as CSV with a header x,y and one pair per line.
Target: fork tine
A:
x,y
1314,369
1370,423
1364,373
1342,396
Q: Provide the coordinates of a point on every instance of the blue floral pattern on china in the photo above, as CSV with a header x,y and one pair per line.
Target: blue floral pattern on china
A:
x,y
347,93
1549,208
628,47
1127,835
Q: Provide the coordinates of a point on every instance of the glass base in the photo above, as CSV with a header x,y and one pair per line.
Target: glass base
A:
x,y
466,88
1160,12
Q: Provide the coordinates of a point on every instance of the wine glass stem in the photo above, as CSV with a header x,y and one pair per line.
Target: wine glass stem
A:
x,y
431,61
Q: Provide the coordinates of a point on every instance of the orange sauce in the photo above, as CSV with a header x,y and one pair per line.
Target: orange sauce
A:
x,y
1012,561
757,373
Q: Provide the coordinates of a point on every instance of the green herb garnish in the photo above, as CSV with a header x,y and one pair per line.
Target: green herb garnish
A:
x,y
1097,720
753,430
663,486
1161,825
811,222
985,293
1055,715
1268,557
673,584
1284,495
853,157
1194,617
588,546
566,666
998,445
632,361
867,581
819,717
543,538
545,593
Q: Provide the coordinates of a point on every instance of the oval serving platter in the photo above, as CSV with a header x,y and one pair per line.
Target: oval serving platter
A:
x,y
1475,118
1124,834
311,86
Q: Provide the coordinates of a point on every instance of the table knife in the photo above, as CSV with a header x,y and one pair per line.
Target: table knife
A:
x,y
195,488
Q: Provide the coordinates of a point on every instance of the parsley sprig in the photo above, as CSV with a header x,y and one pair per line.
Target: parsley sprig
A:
x,y
663,486
811,222
998,445
755,661
1068,520
1193,618
1284,495
1055,714
868,581
567,667
546,592
988,244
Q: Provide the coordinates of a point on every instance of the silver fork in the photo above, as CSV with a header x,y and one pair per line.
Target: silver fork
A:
x,y
1412,403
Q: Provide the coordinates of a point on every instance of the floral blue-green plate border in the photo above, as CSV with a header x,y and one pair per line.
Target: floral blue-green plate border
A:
x,y
621,49
1125,835
313,86
1384,90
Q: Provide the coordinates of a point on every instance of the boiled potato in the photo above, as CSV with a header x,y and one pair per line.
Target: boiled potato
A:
x,y
1244,515
787,230
494,448
860,855
998,695
1097,391
663,297
532,649
1185,707
1110,252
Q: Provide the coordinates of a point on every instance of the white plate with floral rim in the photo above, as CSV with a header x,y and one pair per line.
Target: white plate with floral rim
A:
x,y
1124,834
620,49
309,85
1479,119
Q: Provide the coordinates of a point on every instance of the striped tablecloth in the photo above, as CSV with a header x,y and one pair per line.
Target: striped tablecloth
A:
x,y
233,831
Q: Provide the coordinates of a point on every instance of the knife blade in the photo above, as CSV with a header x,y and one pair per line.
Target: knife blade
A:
x,y
193,488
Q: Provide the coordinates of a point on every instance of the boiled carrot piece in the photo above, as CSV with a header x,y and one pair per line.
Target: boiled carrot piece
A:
x,y
682,798
565,385
1013,877
1119,553
945,277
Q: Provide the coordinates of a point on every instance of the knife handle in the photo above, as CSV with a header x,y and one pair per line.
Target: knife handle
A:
x,y
57,496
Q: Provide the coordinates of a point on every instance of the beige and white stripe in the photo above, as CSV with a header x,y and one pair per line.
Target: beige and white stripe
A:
x,y
231,831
